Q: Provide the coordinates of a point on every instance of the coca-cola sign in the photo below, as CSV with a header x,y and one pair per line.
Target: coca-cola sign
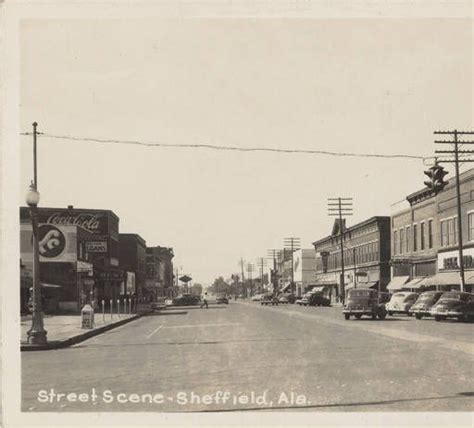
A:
x,y
90,222
51,241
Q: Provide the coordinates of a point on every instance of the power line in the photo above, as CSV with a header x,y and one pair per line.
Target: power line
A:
x,y
231,148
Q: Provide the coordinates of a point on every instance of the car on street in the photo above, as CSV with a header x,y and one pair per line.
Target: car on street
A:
x,y
290,297
304,300
222,299
454,304
159,303
401,302
269,299
257,298
421,308
318,299
364,301
283,299
186,300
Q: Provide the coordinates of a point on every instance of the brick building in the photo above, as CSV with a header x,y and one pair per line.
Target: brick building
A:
x,y
425,238
159,272
132,258
366,257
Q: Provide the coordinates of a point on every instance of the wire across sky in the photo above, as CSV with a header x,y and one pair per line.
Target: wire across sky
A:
x,y
231,148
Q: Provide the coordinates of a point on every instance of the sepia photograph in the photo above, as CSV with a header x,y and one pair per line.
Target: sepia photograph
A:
x,y
236,210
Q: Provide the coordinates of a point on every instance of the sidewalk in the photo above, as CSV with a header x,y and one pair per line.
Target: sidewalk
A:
x,y
65,330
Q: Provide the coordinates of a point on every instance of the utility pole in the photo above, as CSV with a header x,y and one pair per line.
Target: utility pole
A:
x,y
292,244
250,269
262,262
244,291
341,207
457,161
274,254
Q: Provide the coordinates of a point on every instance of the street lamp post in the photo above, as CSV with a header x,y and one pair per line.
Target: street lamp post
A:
x,y
37,333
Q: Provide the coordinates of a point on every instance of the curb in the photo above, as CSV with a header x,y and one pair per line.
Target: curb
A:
x,y
58,344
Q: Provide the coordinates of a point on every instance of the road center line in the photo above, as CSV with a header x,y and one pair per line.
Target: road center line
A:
x,y
154,331
202,325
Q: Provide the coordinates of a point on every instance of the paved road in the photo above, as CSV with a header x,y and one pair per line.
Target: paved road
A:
x,y
245,356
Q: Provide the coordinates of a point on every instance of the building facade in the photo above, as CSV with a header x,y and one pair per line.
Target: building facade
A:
x,y
425,238
366,257
79,254
132,259
159,272
304,268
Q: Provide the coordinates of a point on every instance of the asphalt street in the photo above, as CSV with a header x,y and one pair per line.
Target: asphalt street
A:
x,y
247,357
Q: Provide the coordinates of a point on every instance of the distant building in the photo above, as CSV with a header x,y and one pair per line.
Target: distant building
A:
x,y
132,257
159,272
304,267
425,238
366,257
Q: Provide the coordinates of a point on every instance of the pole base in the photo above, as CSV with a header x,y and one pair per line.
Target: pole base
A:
x,y
37,337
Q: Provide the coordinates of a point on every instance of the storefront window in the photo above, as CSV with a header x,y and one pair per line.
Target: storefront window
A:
x,y
470,221
415,236
395,241
430,233
422,236
402,240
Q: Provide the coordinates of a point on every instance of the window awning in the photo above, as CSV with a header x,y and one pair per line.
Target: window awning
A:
x,y
46,285
397,282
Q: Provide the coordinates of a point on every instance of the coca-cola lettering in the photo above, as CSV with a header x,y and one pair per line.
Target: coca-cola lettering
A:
x,y
90,222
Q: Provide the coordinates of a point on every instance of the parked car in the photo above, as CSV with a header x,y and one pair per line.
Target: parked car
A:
x,y
283,299
186,300
401,302
257,298
159,303
304,301
222,299
168,302
269,299
364,301
290,297
421,308
318,299
454,304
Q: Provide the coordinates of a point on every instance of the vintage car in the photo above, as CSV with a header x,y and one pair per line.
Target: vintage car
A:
x,y
269,299
364,301
318,299
304,300
454,304
283,299
290,297
421,308
257,298
186,300
401,302
222,299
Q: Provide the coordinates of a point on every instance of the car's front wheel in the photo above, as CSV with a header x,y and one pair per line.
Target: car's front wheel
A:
x,y
347,316
358,316
418,316
438,318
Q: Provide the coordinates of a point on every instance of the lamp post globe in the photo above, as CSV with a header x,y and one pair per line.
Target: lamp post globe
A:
x,y
32,197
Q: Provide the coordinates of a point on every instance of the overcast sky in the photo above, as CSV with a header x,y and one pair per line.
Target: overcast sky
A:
x,y
369,86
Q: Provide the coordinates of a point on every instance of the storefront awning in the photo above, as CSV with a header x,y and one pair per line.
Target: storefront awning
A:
x,y
397,282
415,283
370,284
447,278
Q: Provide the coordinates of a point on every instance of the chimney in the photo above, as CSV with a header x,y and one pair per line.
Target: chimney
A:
x,y
70,207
